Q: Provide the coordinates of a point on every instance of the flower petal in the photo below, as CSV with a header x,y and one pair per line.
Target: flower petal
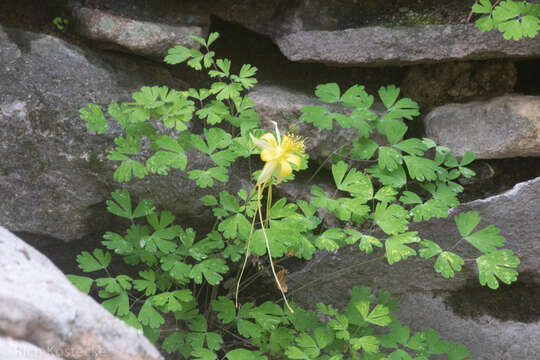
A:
x,y
269,154
267,171
261,144
285,169
295,159
268,137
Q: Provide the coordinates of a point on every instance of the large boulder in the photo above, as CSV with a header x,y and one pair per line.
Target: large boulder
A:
x,y
503,127
54,175
402,45
40,307
421,291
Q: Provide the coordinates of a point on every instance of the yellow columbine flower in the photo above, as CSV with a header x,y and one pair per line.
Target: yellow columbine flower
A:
x,y
278,155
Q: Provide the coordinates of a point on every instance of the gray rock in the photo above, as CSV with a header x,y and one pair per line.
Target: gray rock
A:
x,y
402,45
414,281
17,350
486,337
54,177
438,84
147,38
504,127
38,305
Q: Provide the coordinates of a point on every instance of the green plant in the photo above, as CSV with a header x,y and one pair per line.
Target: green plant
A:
x,y
515,19
60,23
180,293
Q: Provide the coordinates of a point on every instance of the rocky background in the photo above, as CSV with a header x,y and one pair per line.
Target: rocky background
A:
x,y
477,92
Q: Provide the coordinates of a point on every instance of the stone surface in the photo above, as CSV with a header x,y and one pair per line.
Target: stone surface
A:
x,y
283,105
485,337
329,276
402,45
17,350
38,305
504,127
438,84
54,177
147,38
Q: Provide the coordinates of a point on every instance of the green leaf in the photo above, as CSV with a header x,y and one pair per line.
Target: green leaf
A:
x,y
173,342
467,158
206,178
149,316
177,55
388,95
209,200
245,76
176,268
147,283
243,354
117,243
329,240
214,112
328,93
482,7
389,158
320,116
497,264
117,305
369,344
396,178
412,146
211,269
121,206
386,194
487,239
367,242
212,37
217,138
323,336
431,249
409,198
308,345
363,149
391,219
421,168
94,118
392,128
466,222
99,261
235,226
203,354
225,309
294,352
396,249
357,97
379,316
248,329
356,183
148,97
447,263
404,108
82,283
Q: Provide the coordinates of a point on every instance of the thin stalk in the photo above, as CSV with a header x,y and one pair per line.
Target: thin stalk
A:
x,y
259,193
272,263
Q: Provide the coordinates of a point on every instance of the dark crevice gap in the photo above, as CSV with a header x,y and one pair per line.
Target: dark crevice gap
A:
x,y
516,302
495,176
243,46
528,79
